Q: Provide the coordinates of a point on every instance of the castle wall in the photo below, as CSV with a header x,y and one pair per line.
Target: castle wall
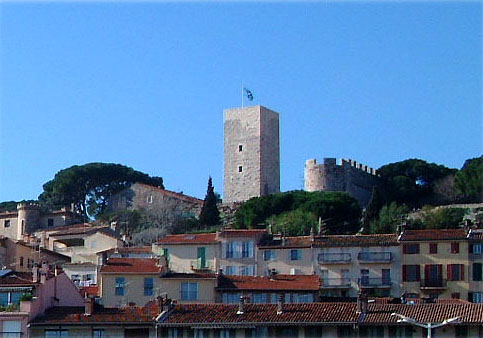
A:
x,y
349,176
251,152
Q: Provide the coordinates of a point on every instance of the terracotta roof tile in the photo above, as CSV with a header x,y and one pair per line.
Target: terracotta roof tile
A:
x,y
186,275
15,278
287,243
356,240
318,313
131,265
75,315
227,232
208,238
433,235
92,291
278,282
213,314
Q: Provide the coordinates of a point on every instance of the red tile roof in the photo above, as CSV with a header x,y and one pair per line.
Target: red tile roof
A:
x,y
15,278
287,243
131,249
278,282
185,275
209,238
92,291
356,240
433,235
132,265
75,315
223,315
227,232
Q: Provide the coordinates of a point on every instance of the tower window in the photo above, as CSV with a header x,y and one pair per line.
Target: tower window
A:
x,y
240,147
6,223
240,169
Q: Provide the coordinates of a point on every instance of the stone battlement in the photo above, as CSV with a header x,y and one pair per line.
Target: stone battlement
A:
x,y
348,175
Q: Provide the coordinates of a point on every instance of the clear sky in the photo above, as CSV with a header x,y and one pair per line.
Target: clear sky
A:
x,y
145,85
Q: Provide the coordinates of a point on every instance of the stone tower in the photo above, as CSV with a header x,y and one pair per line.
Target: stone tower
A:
x,y
252,153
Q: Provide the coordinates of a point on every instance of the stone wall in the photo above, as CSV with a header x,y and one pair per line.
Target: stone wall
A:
x,y
251,152
348,176
163,203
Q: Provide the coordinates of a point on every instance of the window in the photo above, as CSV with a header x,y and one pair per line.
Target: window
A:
x,y
21,261
433,248
455,295
94,244
120,283
476,249
50,222
303,298
11,329
269,255
455,247
240,168
231,298
6,223
295,255
476,297
230,270
238,249
259,298
227,333
149,199
98,333
189,291
247,249
240,147
455,272
148,286
175,332
461,331
411,249
477,272
247,270
56,333
411,273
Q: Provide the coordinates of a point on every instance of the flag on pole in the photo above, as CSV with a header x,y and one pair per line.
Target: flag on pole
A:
x,y
249,94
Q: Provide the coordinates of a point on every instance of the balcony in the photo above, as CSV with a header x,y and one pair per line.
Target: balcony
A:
x,y
336,283
375,257
375,282
201,265
334,258
433,284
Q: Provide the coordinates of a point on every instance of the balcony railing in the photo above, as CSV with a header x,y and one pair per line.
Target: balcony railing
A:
x,y
334,258
199,265
375,282
433,283
375,257
328,283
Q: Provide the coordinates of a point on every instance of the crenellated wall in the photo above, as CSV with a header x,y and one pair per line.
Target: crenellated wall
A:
x,y
349,176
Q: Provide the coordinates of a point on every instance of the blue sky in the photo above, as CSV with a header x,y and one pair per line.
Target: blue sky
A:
x,y
145,85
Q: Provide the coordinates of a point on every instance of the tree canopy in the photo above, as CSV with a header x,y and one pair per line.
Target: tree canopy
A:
x,y
209,215
339,211
411,181
469,180
89,186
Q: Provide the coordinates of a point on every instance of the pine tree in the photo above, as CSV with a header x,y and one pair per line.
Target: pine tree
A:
x,y
210,215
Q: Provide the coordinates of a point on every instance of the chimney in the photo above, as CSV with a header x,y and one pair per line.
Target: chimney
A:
x,y
241,305
362,303
43,277
35,273
272,273
280,303
167,304
114,226
88,306
160,301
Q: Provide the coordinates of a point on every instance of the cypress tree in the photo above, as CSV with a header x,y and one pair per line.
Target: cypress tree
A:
x,y
210,215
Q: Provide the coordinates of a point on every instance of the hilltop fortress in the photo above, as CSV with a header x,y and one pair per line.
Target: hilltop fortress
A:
x,y
252,161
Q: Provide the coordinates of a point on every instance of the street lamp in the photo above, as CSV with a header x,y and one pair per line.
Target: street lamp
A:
x,y
428,326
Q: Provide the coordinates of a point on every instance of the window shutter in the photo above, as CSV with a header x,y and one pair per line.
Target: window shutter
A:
x,y
426,272
462,272
449,272
223,250
418,273
470,296
470,248
404,273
